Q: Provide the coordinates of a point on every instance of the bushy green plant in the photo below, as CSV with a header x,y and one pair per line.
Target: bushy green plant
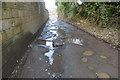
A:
x,y
95,11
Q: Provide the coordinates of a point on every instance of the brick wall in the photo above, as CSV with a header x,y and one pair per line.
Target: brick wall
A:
x,y
20,22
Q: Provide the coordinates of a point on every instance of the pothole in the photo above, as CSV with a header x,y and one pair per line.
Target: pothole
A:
x,y
57,43
42,42
50,56
56,66
73,40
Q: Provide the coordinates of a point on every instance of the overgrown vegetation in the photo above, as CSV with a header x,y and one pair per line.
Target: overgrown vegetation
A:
x,y
106,14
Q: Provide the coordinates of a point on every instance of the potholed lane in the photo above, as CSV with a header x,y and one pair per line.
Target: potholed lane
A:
x,y
62,50
54,34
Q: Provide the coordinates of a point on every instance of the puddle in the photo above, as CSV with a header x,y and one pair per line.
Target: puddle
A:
x,y
54,37
50,56
50,35
54,32
42,42
60,30
56,66
54,59
49,44
74,41
53,28
47,38
58,43
61,34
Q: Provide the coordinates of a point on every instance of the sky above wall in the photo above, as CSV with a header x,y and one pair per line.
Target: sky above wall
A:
x,y
50,4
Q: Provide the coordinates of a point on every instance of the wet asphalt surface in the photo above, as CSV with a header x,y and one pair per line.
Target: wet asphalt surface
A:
x,y
64,51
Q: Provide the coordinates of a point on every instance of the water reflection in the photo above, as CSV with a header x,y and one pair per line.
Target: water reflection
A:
x,y
57,66
49,44
53,37
53,28
50,56
73,40
76,41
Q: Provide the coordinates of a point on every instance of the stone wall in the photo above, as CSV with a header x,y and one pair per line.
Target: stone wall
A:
x,y
20,22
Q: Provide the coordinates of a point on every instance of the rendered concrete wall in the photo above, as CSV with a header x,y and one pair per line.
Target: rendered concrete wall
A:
x,y
20,22
0,41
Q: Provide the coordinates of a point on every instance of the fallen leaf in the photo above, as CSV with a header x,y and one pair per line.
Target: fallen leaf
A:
x,y
104,57
90,67
84,59
88,53
103,75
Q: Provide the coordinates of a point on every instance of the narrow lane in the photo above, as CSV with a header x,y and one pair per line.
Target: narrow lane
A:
x,y
64,51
